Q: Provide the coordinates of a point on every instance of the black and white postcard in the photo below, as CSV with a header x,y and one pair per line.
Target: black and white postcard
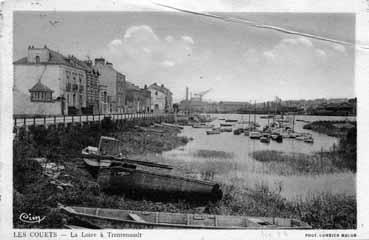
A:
x,y
223,119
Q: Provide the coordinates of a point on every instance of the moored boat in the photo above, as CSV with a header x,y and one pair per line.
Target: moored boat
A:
x,y
255,135
226,125
108,146
104,218
213,131
156,186
202,125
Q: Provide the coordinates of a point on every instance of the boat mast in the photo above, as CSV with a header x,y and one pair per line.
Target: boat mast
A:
x,y
250,115
255,116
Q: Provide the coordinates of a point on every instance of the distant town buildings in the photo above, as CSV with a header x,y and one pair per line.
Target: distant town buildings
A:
x,y
49,83
327,107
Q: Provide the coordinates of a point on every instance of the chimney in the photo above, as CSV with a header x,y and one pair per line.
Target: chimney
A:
x,y
99,61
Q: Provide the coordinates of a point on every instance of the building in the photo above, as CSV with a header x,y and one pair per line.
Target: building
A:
x,y
232,107
115,86
92,88
48,83
137,99
103,98
161,98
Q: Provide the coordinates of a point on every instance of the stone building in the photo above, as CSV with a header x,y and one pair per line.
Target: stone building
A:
x,y
161,98
92,88
48,83
114,82
138,100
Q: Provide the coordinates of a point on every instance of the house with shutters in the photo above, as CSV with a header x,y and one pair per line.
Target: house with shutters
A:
x,y
48,83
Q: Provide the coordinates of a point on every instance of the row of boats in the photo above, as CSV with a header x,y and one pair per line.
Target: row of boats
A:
x,y
275,131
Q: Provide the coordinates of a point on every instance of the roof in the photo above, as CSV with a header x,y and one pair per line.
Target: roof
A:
x,y
39,87
160,88
57,59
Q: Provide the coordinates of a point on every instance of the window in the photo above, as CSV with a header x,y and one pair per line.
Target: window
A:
x,y
41,93
156,93
80,100
39,96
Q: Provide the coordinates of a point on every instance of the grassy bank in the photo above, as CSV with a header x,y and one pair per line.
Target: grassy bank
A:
x,y
299,163
37,194
331,128
345,153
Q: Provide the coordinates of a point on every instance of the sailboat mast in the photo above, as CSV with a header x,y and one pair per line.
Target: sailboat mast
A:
x,y
255,116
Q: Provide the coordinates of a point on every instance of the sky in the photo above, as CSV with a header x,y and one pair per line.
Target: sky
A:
x,y
236,61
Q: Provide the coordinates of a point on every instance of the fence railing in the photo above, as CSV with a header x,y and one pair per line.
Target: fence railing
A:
x,y
48,120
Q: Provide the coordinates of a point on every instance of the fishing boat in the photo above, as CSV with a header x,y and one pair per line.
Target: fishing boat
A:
x,y
108,154
226,125
213,131
255,135
108,146
138,183
103,218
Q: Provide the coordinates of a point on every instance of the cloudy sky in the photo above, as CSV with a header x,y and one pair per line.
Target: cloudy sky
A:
x,y
238,62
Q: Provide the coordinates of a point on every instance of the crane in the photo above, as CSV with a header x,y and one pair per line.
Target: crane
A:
x,y
199,95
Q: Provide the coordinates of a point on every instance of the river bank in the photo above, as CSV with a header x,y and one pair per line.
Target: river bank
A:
x,y
38,194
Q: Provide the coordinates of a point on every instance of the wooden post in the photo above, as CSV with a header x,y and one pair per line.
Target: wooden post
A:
x,y
55,120
24,122
34,121
44,121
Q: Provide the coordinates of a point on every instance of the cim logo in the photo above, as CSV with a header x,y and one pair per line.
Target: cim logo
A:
x,y
29,218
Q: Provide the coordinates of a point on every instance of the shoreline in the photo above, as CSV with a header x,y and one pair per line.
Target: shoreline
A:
x,y
35,193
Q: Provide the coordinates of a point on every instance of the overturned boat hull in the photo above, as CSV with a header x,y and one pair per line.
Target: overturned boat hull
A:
x,y
141,184
121,219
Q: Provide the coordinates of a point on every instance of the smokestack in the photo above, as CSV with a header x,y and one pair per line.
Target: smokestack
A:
x,y
186,94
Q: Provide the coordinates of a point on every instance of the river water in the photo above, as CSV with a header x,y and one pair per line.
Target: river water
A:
x,y
242,170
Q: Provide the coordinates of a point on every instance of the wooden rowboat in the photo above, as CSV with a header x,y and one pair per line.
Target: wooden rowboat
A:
x,y
158,187
122,219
